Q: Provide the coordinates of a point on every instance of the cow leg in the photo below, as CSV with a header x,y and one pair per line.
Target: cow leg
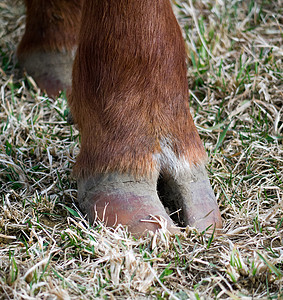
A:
x,y
48,46
130,101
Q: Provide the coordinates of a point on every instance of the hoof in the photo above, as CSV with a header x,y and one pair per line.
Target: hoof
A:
x,y
121,199
52,71
191,192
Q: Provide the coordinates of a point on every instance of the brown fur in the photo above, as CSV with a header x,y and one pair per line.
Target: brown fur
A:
x,y
130,88
51,25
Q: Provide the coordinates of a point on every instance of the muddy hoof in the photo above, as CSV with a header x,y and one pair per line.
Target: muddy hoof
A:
x,y
121,199
52,72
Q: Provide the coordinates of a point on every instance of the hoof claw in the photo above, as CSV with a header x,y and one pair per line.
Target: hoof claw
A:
x,y
121,199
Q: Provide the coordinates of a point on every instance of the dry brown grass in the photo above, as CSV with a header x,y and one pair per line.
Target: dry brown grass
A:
x,y
48,252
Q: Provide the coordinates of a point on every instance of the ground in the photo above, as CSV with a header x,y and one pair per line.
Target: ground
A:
x,y
48,251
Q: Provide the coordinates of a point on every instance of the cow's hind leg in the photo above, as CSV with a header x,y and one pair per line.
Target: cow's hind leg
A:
x,y
48,46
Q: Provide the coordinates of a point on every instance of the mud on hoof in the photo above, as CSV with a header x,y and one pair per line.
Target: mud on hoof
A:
x,y
52,71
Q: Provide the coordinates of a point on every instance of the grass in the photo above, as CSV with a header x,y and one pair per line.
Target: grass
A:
x,y
47,250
